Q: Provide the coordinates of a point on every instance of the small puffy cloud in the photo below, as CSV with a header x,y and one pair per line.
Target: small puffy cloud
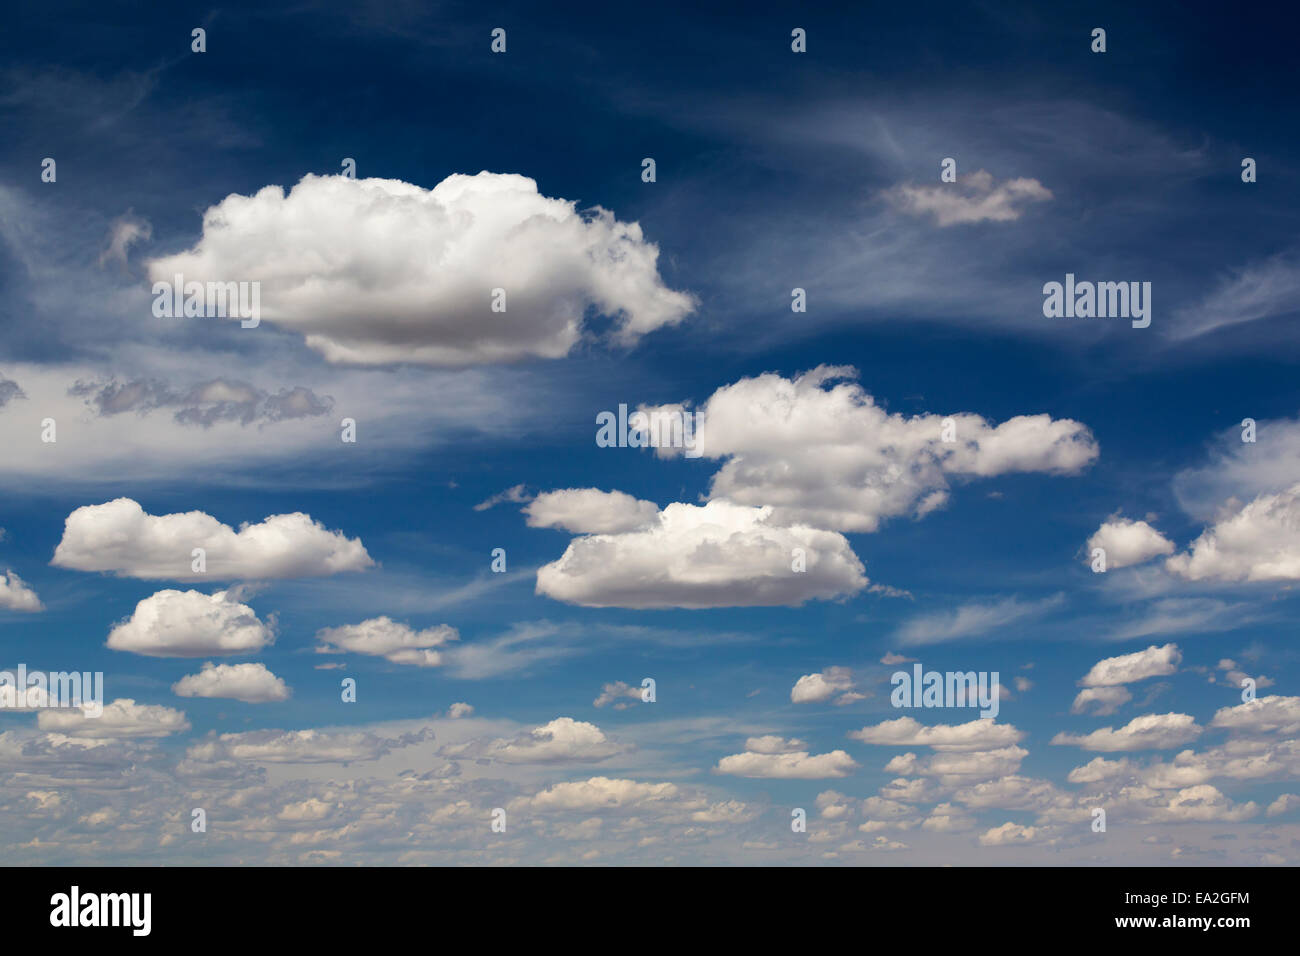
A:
x,y
1259,541
973,198
191,624
601,793
618,693
1127,668
1148,732
563,740
379,271
1011,834
15,595
1099,768
120,537
386,638
251,683
1283,804
1103,700
891,659
122,718
821,452
822,686
1264,715
715,555
960,766
1128,542
979,734
797,765
459,710
590,511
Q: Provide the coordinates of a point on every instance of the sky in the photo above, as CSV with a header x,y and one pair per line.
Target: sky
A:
x,y
364,578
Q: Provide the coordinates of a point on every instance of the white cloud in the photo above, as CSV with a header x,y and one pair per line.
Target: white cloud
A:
x,y
1011,834
15,595
797,765
120,537
563,740
716,555
386,638
1127,668
1147,732
1272,714
1128,542
378,271
590,511
251,683
972,198
459,710
822,452
822,686
601,793
1104,700
1283,804
979,734
960,766
122,718
1260,541
191,624
618,693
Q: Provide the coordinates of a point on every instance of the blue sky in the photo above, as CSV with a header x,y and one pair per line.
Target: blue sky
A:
x,y
774,170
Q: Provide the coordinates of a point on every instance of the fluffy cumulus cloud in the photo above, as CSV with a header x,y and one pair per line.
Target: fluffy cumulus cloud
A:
x,y
619,693
1259,541
792,765
1011,834
821,452
122,718
563,740
972,198
191,624
601,793
1273,714
1148,732
15,595
980,734
696,556
386,638
823,685
120,537
251,683
590,511
1127,668
1128,542
954,767
378,271
1101,700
